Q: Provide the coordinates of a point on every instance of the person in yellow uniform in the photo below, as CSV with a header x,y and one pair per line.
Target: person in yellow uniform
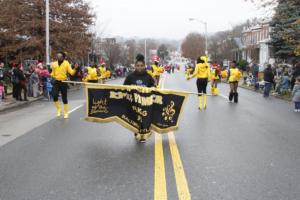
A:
x,y
215,78
60,70
103,71
188,71
233,78
202,72
92,75
156,71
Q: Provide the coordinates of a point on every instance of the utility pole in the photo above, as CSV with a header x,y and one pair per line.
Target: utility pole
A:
x,y
206,34
146,52
47,34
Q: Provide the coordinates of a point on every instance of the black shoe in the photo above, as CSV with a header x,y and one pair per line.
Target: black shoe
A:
x,y
231,96
236,97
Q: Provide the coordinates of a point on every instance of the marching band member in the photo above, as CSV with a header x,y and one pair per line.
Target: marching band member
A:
x,y
140,77
188,71
60,70
92,74
103,71
156,70
215,78
202,72
233,77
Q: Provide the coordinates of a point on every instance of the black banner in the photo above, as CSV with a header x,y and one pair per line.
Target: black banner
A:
x,y
137,108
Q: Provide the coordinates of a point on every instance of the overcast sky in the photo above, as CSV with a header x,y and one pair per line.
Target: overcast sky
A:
x,y
169,18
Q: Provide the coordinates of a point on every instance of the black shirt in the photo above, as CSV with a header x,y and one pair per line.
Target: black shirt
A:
x,y
143,79
268,75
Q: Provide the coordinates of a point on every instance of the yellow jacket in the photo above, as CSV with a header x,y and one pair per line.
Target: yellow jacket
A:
x,y
214,75
157,70
224,74
234,74
201,71
189,71
107,74
102,71
92,74
61,72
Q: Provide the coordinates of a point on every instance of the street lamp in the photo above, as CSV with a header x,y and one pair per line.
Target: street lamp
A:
x,y
47,34
205,24
146,52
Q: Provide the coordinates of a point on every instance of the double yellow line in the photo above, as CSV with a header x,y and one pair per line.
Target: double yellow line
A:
x,y
160,186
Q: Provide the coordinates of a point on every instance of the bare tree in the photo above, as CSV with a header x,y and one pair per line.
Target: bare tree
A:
x,y
112,52
193,46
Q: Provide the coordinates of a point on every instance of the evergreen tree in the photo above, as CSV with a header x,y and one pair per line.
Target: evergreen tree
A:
x,y
285,33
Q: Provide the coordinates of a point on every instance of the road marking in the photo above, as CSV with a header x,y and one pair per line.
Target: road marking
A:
x,y
223,96
181,182
73,110
160,186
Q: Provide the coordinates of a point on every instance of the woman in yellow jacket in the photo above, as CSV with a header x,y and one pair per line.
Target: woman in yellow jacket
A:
x,y
103,72
233,77
202,72
92,74
60,70
156,71
215,79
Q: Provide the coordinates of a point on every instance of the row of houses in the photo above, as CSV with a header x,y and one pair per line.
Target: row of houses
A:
x,y
253,46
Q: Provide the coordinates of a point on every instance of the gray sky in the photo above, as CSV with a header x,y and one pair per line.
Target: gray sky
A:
x,y
169,18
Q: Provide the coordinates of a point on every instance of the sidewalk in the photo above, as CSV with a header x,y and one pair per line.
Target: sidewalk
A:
x,y
10,103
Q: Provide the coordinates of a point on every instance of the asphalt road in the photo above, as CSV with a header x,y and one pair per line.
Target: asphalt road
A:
x,y
249,150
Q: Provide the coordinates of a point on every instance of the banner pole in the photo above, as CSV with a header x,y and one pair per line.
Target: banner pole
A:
x,y
127,86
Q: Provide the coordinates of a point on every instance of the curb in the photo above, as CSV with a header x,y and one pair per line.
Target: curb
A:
x,y
19,105
246,88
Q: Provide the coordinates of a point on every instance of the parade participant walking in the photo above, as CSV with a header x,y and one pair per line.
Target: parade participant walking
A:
x,y
202,72
296,94
78,73
92,74
157,70
215,79
233,77
60,70
103,71
140,77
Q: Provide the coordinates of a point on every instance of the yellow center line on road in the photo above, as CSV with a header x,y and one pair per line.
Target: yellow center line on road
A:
x,y
160,186
181,182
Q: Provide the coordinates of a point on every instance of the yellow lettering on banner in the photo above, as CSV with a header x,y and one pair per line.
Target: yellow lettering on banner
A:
x,y
144,101
157,99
